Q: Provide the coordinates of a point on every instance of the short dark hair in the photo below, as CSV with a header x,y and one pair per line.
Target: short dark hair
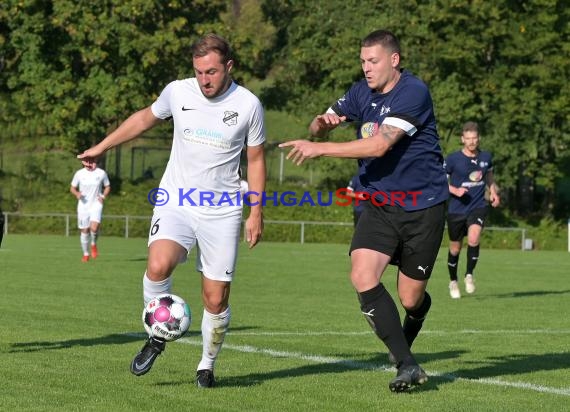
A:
x,y
471,127
212,42
384,38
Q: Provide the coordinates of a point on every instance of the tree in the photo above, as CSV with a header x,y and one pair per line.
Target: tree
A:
x,y
502,64
81,66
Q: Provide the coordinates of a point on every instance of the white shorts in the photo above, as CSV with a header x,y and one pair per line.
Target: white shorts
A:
x,y
216,236
87,213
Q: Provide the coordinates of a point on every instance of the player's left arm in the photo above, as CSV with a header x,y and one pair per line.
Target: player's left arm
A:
x,y
494,197
106,187
411,111
256,176
106,191
375,146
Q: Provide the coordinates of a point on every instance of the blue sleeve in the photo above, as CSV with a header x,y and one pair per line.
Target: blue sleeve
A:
x,y
350,104
412,108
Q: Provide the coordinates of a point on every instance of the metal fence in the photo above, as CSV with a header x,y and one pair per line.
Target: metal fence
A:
x,y
63,224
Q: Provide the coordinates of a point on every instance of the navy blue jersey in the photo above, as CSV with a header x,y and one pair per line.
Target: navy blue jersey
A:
x,y
414,165
471,173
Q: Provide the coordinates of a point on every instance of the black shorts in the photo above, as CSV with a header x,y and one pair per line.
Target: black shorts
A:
x,y
411,239
457,225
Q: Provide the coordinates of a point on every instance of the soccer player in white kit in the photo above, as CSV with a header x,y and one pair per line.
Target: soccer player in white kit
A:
x,y
199,192
90,186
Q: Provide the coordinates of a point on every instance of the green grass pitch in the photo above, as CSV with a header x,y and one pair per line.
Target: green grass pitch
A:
x,y
297,339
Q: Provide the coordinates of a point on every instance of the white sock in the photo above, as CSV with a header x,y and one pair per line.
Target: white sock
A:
x,y
94,237
152,289
84,239
214,328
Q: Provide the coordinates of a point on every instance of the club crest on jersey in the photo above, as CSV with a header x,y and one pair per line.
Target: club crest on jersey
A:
x,y
476,176
368,129
230,118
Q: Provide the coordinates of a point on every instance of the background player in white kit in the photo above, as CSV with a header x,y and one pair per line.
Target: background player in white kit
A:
x,y
90,186
213,117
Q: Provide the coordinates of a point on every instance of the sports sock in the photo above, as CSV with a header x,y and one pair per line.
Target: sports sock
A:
x,y
84,239
382,314
151,288
472,258
452,265
94,237
414,319
214,328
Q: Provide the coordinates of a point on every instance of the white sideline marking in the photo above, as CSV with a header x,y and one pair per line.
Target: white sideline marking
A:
x,y
427,332
370,366
498,382
295,355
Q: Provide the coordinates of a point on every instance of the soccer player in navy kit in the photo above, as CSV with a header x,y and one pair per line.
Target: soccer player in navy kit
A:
x,y
470,172
401,166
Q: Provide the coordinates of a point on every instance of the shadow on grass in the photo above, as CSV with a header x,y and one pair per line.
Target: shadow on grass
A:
x,y
112,339
528,294
506,366
498,367
516,364
138,259
374,364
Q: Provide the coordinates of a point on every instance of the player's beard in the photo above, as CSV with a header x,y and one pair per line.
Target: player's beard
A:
x,y
211,93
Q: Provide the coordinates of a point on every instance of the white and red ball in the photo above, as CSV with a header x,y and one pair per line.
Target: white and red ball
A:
x,y
167,317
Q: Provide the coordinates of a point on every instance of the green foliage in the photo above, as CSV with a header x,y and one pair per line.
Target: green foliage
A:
x,y
252,37
549,235
73,70
502,64
81,67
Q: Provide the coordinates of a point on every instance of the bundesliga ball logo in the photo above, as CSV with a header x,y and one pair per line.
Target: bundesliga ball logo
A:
x,y
167,317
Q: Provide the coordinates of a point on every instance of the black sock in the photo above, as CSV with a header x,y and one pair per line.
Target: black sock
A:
x,y
382,314
472,258
414,319
452,265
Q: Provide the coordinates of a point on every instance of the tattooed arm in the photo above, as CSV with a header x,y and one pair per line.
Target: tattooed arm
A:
x,y
375,146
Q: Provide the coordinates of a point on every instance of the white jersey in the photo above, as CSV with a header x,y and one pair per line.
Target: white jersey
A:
x,y
90,183
209,135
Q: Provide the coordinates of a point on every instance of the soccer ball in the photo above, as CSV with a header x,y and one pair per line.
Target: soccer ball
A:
x,y
167,317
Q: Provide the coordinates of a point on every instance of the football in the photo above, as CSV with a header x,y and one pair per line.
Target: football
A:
x,y
167,317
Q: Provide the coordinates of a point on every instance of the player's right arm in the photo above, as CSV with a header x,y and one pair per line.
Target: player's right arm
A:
x,y
457,191
454,190
134,126
74,188
375,146
75,192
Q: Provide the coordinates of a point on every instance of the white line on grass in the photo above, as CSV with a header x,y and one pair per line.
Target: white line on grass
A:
x,y
296,355
369,366
428,332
